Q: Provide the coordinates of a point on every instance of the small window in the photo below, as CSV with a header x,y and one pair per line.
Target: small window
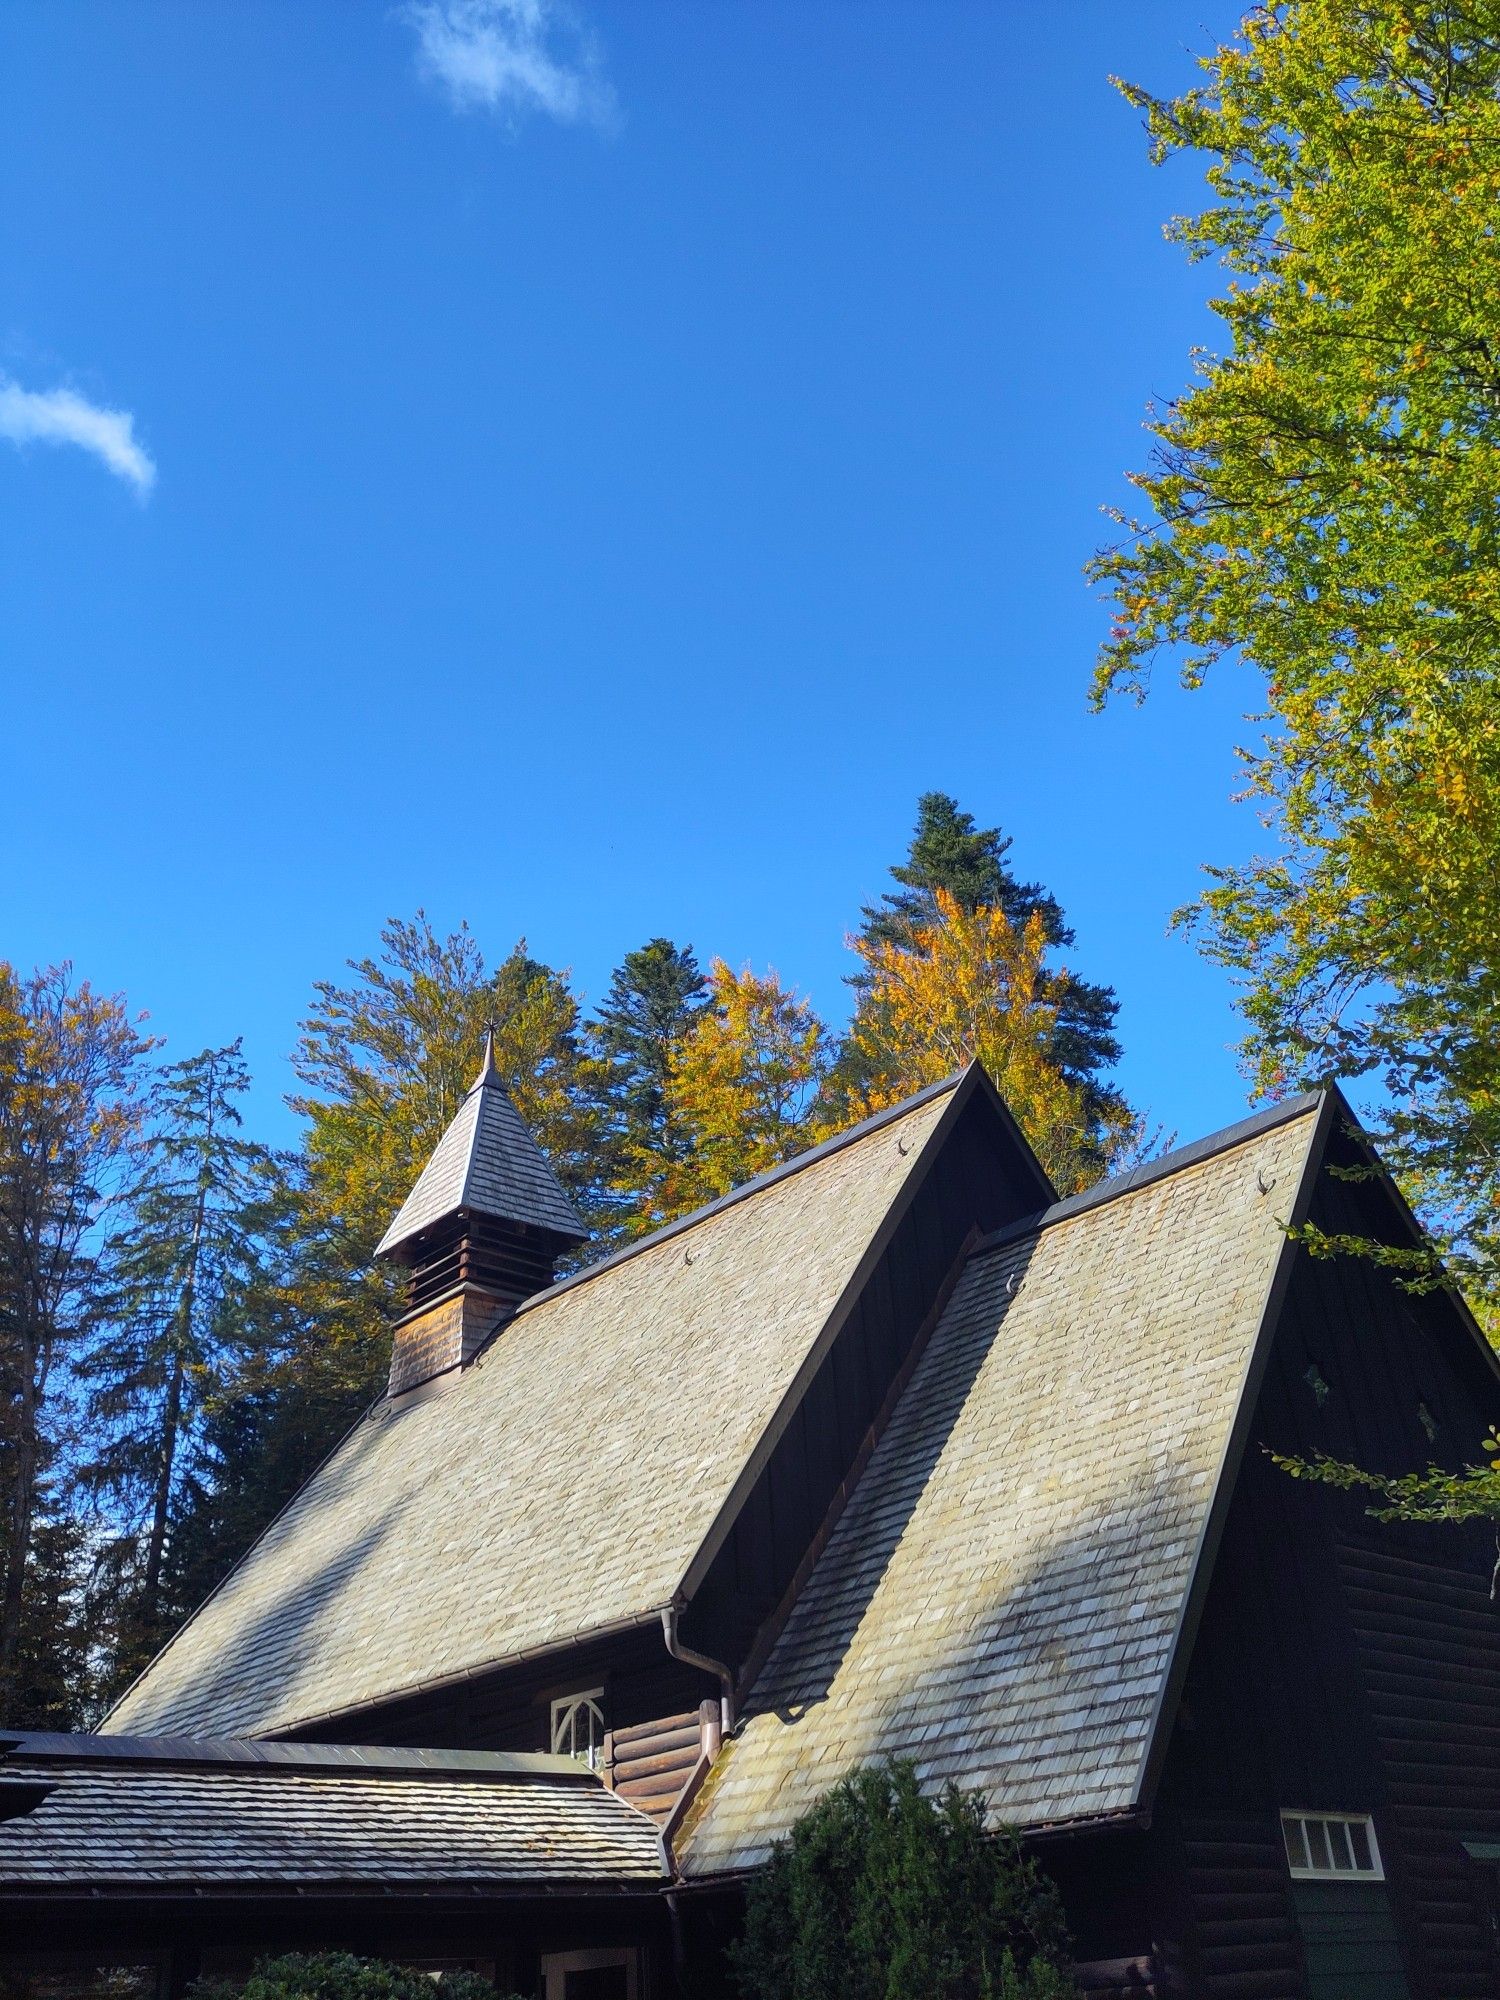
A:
x,y
578,1727
1321,1847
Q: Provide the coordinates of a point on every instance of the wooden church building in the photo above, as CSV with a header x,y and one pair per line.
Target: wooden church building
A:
x,y
889,1452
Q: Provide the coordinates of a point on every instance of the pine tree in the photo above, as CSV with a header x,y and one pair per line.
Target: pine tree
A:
x,y
55,1685
949,852
655,999
189,1250
288,1401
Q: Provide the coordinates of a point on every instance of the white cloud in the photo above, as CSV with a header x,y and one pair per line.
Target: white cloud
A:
x,y
512,56
58,416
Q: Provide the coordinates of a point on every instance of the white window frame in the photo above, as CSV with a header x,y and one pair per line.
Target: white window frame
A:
x,y
1353,1873
563,1734
556,1965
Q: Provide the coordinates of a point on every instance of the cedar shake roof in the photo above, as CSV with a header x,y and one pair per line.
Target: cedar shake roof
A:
x,y
486,1163
559,1485
1003,1596
133,1817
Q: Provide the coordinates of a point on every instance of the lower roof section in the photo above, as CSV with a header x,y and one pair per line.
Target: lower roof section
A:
x,y
88,1816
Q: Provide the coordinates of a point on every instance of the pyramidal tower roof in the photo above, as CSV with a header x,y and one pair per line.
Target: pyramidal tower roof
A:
x,y
486,1163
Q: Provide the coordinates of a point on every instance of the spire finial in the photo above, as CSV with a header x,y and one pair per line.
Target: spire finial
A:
x,y
487,1070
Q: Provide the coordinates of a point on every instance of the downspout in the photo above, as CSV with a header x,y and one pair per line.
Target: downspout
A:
x,y
689,1658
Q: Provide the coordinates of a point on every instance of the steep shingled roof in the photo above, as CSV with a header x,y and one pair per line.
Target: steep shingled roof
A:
x,y
488,1163
541,1496
176,1816
1002,1597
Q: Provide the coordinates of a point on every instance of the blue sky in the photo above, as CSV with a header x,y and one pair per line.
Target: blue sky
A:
x,y
585,472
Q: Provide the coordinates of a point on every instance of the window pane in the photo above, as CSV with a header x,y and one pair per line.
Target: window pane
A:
x,y
1296,1843
1343,1855
1359,1836
578,1727
1317,1845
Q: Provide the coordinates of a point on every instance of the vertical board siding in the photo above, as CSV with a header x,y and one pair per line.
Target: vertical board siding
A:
x,y
1429,1647
1349,1941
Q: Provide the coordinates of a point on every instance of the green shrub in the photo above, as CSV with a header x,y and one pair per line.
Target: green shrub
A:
x,y
879,1893
339,1975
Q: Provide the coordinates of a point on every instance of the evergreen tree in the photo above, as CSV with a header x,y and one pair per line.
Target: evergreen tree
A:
x,y
189,1250
655,999
880,1893
949,852
260,1439
55,1684
71,1063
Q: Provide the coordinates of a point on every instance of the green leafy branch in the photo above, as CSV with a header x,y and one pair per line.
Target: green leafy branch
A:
x,y
1472,1493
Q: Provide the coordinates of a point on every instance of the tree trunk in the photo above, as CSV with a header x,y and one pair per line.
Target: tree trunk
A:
x,y
172,1415
21,1514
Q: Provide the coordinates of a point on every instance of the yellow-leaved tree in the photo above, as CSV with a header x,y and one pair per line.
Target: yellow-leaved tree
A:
x,y
387,1059
744,1091
973,985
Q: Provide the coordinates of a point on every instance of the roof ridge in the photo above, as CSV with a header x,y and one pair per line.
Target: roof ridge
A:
x,y
772,1177
1159,1169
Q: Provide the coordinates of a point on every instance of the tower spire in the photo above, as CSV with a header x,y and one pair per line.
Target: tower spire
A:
x,y
481,1231
487,1070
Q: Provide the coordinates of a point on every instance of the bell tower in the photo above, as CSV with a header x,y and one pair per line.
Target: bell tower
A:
x,y
481,1231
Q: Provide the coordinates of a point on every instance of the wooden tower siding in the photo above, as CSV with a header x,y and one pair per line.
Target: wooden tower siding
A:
x,y
1341,1663
652,1700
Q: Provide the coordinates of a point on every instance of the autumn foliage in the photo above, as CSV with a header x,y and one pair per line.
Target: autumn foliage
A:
x,y
974,987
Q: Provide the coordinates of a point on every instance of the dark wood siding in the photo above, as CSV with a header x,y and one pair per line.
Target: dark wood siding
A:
x,y
1429,1648
650,1763
510,1709
1340,1663
1244,1943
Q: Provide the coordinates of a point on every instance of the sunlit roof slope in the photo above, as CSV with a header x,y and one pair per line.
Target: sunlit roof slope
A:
x,y
1001,1597
541,1495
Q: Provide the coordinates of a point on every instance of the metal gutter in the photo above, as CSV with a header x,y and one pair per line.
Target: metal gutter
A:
x,y
689,1658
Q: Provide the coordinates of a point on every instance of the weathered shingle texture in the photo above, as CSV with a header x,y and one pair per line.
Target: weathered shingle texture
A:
x,y
489,1163
552,1489
120,1825
999,1599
